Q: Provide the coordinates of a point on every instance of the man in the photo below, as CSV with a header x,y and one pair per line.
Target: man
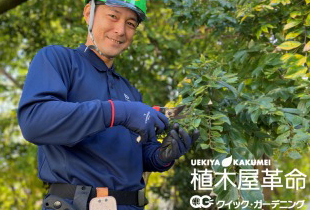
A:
x,y
85,117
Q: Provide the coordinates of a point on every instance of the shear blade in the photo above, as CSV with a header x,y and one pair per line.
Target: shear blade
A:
x,y
174,112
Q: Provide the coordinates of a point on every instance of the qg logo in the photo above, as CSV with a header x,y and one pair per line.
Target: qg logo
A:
x,y
204,201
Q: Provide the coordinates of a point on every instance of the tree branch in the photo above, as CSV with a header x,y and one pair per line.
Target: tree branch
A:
x,y
6,5
2,71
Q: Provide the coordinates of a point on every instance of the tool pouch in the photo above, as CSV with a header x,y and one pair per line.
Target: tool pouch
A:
x,y
56,203
103,203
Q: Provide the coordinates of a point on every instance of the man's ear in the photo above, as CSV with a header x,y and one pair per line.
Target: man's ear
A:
x,y
86,13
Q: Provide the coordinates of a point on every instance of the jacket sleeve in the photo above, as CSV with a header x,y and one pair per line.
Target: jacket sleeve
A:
x,y
44,114
151,161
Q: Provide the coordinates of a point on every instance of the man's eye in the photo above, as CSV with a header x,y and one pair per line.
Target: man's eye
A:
x,y
112,16
132,24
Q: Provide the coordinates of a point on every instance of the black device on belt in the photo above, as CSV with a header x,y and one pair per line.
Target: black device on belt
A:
x,y
81,195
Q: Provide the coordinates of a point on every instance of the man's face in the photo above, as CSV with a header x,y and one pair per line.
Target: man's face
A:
x,y
113,29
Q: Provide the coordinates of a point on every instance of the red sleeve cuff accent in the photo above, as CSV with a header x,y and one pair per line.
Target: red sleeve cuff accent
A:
x,y
112,113
167,164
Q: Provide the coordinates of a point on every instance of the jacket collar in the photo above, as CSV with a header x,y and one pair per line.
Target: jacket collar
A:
x,y
95,60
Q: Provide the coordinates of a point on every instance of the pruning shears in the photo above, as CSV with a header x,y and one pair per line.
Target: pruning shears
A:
x,y
170,113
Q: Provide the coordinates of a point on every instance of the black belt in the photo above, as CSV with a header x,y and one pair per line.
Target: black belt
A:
x,y
122,197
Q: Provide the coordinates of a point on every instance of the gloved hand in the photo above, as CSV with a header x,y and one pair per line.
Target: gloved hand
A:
x,y
140,118
176,144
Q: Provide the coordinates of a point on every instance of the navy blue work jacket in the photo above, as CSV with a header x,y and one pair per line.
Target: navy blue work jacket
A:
x,y
64,109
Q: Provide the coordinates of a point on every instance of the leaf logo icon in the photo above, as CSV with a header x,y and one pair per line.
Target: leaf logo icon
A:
x,y
227,161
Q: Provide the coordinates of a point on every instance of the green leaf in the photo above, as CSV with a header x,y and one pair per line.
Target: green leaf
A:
x,y
197,101
226,119
257,71
294,59
283,138
261,135
239,108
296,72
293,34
218,140
294,119
264,29
289,45
291,110
200,90
202,58
258,33
204,134
197,81
295,14
187,100
279,113
240,54
228,195
218,122
231,88
197,123
149,48
294,155
268,149
221,149
307,47
220,157
204,146
300,139
252,195
251,44
282,129
292,24
287,56
242,153
215,134
217,72
217,128
258,149
307,21
232,80
237,139
255,115
240,87
284,147
217,115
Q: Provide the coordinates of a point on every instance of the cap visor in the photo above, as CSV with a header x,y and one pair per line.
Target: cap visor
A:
x,y
116,3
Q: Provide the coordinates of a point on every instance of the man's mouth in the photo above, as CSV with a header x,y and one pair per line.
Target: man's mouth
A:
x,y
116,41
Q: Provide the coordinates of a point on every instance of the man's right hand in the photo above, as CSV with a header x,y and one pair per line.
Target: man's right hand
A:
x,y
140,118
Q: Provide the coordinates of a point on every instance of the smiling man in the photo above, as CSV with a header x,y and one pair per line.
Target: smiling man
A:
x,y
85,117
113,28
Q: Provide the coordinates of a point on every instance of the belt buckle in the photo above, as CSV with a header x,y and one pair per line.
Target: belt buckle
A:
x,y
141,197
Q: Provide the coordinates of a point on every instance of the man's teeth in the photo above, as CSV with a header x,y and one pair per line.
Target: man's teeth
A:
x,y
115,41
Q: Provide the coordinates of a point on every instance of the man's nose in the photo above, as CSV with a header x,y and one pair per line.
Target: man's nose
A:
x,y
120,28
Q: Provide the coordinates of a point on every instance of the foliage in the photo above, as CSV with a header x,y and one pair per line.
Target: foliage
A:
x,y
250,97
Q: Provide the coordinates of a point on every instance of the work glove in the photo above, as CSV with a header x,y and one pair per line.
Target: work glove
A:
x,y
176,144
140,118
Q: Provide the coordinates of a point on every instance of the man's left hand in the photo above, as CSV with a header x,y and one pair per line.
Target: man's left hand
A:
x,y
176,143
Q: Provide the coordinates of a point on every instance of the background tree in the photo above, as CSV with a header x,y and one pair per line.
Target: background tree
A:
x,y
7,5
248,92
241,66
